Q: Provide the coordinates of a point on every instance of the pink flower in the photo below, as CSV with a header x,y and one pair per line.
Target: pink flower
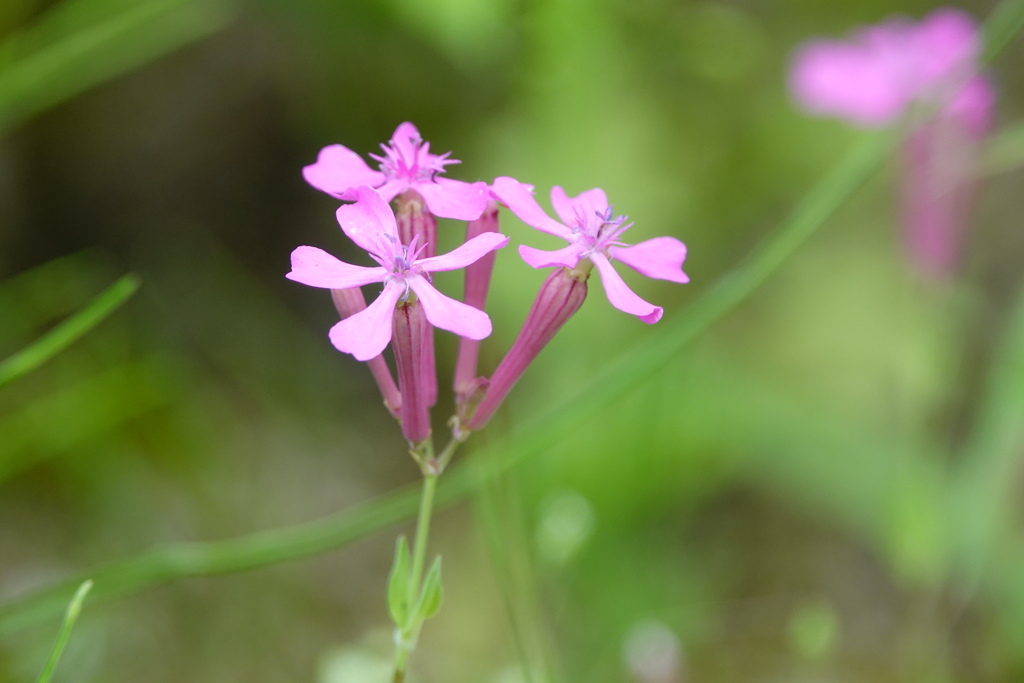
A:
x,y
592,233
370,223
873,78
406,164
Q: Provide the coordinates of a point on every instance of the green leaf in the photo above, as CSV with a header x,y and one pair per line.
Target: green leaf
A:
x,y
69,331
430,598
81,43
70,617
399,598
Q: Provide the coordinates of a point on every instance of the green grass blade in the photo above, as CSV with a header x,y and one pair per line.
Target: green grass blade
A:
x,y
69,331
1001,27
82,43
70,617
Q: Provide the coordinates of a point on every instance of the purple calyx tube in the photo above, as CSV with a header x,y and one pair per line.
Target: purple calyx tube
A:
x,y
561,295
413,219
478,282
348,302
414,374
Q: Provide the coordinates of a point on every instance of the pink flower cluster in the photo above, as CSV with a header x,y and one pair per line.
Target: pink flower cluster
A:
x,y
403,241
928,72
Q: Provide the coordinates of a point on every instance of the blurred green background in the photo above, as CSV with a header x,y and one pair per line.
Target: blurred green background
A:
x,y
826,487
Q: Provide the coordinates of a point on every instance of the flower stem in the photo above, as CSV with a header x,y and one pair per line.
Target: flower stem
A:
x,y
419,552
405,641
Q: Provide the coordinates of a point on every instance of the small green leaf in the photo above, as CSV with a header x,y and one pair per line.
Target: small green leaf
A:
x,y
430,598
399,600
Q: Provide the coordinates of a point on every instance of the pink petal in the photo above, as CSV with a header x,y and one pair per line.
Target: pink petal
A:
x,y
368,220
449,198
661,258
366,334
406,138
338,169
392,189
469,252
538,258
584,204
949,43
316,268
449,314
517,197
620,295
563,206
830,78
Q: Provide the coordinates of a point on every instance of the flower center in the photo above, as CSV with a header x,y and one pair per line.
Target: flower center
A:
x,y
599,230
399,259
409,159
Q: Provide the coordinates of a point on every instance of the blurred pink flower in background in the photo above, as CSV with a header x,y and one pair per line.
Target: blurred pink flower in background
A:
x,y
929,70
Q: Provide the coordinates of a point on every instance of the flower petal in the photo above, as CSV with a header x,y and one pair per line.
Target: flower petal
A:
x,y
449,198
949,45
470,252
538,258
517,197
449,314
620,295
338,169
406,139
368,220
316,268
392,189
661,258
569,209
366,334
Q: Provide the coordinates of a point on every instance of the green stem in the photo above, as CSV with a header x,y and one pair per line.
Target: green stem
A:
x,y
419,550
446,455
406,640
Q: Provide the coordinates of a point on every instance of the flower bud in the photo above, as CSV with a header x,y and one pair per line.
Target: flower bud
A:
x,y
414,375
561,295
348,302
478,281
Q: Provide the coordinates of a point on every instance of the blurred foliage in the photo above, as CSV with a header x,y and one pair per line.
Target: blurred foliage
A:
x,y
825,487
